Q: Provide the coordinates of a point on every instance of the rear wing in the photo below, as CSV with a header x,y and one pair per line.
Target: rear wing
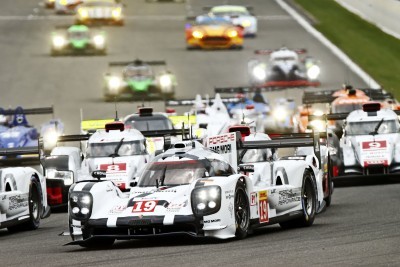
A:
x,y
318,97
301,141
20,156
245,89
138,62
335,116
174,132
191,102
28,111
269,51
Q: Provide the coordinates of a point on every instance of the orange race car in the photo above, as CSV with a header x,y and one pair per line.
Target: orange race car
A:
x,y
344,100
213,33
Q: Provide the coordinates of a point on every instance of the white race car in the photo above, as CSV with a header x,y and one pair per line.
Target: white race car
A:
x,y
238,15
194,191
118,151
370,144
23,200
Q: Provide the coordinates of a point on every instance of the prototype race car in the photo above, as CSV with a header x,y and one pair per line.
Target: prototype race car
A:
x,y
238,15
23,202
18,133
78,39
284,69
211,32
191,190
370,142
100,12
138,80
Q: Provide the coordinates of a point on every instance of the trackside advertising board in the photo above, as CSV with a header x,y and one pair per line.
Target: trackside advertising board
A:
x,y
225,145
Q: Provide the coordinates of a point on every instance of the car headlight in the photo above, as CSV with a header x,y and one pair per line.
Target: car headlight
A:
x,y
99,40
313,72
80,205
58,41
280,114
259,72
197,34
114,83
246,23
116,13
67,176
50,139
206,200
83,13
232,33
165,80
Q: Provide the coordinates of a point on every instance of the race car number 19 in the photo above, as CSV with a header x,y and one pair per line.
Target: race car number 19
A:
x,y
144,206
263,206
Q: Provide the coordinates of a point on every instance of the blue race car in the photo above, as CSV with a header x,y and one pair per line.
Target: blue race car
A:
x,y
16,131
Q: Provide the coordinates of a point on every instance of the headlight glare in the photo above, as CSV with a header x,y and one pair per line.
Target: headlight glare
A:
x,y
259,73
232,33
116,13
206,200
246,23
280,114
98,40
114,83
313,72
80,205
197,34
165,80
58,41
83,13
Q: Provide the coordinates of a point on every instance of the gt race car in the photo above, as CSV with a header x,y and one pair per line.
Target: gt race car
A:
x,y
191,190
78,40
23,201
284,68
138,80
238,15
211,32
369,144
17,132
100,12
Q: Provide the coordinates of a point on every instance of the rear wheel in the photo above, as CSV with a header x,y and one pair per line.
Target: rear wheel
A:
x,y
242,211
308,203
35,209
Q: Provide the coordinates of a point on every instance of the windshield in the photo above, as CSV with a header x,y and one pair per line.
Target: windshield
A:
x,y
255,155
172,173
213,21
366,127
284,59
345,108
127,148
150,125
137,71
78,34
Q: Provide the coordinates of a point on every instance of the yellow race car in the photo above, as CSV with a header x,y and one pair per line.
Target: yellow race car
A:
x,y
211,32
100,12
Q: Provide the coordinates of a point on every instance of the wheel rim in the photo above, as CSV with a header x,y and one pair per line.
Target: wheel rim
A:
x,y
308,198
34,202
241,212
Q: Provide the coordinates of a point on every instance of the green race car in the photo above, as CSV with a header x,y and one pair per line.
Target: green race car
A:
x,y
137,80
78,39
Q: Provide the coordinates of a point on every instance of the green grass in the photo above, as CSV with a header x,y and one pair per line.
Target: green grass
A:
x,y
374,51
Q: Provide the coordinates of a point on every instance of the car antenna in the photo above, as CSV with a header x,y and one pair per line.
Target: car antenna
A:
x,y
116,110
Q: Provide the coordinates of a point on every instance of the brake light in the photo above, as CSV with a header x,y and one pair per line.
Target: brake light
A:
x,y
170,110
249,107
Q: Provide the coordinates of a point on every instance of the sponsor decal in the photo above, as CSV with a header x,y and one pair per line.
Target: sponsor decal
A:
x,y
222,149
253,198
117,209
230,208
212,221
16,202
263,206
221,139
145,206
288,196
371,145
176,207
229,194
374,153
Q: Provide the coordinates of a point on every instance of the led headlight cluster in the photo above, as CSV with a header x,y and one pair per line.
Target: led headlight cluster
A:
x,y
116,13
99,41
58,42
114,83
80,204
67,176
259,72
206,200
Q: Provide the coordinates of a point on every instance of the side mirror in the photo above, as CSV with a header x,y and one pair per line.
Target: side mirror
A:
x,y
133,183
246,168
99,174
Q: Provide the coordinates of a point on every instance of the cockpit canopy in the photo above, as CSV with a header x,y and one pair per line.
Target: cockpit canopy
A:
x,y
132,71
116,149
368,127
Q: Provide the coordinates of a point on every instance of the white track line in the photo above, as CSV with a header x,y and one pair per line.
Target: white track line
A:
x,y
339,53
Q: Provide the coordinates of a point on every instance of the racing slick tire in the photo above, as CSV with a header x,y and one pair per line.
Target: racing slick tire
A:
x,y
35,209
242,211
328,199
308,203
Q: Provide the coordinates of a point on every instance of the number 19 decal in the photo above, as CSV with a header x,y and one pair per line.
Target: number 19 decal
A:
x,y
144,206
263,206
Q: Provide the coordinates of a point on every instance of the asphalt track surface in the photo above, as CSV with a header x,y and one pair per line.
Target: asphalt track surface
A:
x,y
360,228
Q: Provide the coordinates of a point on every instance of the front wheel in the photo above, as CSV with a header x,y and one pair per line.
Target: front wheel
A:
x,y
308,203
242,211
